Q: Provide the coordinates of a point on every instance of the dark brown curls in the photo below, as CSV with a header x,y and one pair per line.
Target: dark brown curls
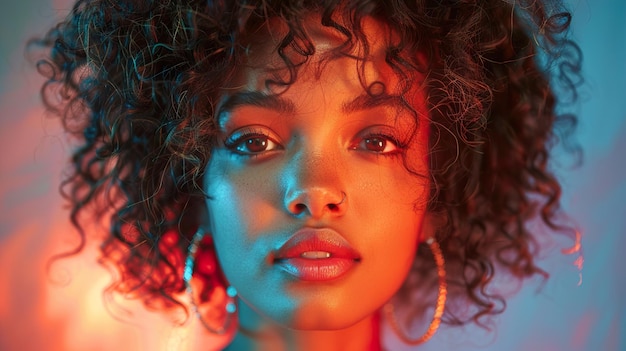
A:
x,y
137,84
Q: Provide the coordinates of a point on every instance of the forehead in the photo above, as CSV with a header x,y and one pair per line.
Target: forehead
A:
x,y
276,53
353,68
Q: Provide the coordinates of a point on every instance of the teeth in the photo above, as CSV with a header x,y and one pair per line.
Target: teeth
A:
x,y
315,254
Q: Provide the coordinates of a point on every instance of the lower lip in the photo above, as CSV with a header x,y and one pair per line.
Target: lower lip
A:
x,y
323,269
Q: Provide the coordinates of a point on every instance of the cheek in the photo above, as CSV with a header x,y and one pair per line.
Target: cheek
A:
x,y
239,198
229,217
397,236
391,211
241,207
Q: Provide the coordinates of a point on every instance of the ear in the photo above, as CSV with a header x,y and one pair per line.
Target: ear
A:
x,y
431,224
203,217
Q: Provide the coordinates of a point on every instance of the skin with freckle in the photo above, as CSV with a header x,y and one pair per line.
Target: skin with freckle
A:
x,y
307,155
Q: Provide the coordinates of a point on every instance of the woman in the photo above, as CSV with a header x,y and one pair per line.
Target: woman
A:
x,y
307,171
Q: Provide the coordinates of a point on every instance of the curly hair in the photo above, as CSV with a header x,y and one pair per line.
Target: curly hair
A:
x,y
137,82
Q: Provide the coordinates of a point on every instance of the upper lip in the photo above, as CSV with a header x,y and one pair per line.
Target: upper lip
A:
x,y
313,239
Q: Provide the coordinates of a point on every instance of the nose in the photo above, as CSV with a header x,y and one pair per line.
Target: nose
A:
x,y
314,186
316,202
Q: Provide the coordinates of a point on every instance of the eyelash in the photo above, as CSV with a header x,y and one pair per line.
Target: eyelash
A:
x,y
235,141
400,147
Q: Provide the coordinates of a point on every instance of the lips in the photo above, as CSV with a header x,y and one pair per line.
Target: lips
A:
x,y
316,255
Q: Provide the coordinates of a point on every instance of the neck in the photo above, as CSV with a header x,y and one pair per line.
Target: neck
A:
x,y
258,334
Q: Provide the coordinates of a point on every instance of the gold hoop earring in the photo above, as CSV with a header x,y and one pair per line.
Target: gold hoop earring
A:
x,y
439,307
210,281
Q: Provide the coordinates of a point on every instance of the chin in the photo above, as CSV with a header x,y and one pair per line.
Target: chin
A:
x,y
324,318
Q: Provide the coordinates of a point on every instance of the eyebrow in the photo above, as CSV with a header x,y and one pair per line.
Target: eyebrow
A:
x,y
368,101
258,99
279,104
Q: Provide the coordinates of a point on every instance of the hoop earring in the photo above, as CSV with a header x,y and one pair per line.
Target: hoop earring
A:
x,y
210,280
439,307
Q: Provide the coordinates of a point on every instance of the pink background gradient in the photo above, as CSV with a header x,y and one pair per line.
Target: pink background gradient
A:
x,y
64,309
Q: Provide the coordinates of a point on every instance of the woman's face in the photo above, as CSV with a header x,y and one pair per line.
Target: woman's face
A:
x,y
315,217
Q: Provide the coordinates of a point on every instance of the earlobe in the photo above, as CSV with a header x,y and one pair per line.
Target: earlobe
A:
x,y
203,218
430,225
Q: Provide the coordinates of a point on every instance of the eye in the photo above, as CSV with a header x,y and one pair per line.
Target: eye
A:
x,y
251,143
378,143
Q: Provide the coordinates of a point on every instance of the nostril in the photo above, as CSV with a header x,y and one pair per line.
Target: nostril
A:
x,y
315,202
300,208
